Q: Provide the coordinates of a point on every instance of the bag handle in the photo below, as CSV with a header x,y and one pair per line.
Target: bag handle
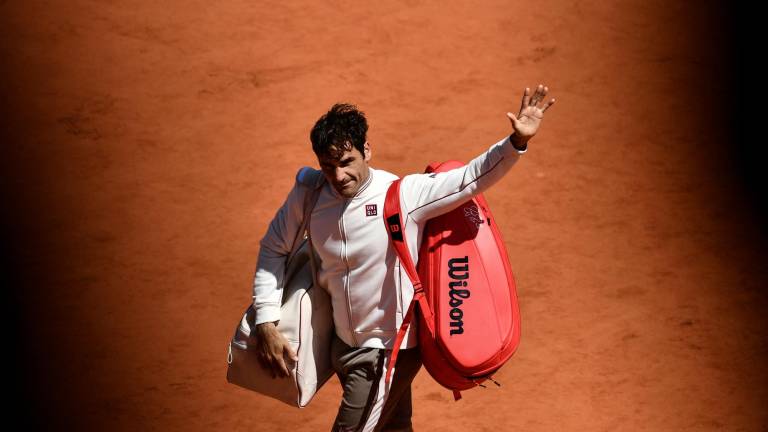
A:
x,y
395,228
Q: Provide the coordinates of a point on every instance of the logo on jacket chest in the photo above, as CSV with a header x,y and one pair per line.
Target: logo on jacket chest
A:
x,y
370,210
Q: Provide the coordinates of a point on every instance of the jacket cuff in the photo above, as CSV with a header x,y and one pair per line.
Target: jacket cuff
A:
x,y
515,149
266,313
507,149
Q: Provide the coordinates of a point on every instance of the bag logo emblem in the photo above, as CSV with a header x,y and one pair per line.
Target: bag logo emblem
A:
x,y
472,213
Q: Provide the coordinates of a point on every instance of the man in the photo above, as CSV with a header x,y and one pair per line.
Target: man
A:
x,y
361,272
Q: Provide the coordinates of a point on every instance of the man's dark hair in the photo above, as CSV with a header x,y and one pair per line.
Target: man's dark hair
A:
x,y
340,129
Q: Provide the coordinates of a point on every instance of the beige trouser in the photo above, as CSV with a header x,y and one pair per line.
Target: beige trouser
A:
x,y
367,403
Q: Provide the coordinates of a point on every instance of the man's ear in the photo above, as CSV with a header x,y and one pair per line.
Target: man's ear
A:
x,y
367,152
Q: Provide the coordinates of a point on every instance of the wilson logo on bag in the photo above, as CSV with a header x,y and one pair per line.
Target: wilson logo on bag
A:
x,y
457,292
469,318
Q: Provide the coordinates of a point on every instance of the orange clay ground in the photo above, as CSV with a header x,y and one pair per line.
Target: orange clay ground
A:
x,y
150,143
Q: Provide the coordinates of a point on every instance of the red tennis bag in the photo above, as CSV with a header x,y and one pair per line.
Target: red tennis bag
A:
x,y
469,320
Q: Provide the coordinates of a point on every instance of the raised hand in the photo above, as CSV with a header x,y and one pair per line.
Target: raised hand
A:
x,y
526,123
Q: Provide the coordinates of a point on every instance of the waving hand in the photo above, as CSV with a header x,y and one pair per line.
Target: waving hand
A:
x,y
526,123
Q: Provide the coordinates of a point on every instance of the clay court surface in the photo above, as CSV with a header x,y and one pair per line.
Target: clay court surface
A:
x,y
150,143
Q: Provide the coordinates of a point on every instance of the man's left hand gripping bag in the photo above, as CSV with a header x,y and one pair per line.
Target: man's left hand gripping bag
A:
x,y
306,321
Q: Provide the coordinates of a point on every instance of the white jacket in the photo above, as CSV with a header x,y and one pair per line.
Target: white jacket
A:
x,y
358,266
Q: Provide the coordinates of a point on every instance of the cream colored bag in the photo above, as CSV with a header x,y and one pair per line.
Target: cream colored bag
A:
x,y
306,321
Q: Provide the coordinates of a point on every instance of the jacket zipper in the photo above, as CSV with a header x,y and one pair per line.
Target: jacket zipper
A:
x,y
346,276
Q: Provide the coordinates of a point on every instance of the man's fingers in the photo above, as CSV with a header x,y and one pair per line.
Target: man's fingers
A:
x,y
268,363
282,366
273,366
291,354
548,104
533,100
276,362
526,99
544,92
537,95
534,96
513,120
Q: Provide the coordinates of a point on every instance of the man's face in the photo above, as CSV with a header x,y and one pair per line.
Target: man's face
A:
x,y
346,171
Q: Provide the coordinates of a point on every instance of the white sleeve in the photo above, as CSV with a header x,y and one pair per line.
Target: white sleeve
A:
x,y
275,247
424,196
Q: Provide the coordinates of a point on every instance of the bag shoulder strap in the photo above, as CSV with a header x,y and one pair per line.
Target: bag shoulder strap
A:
x,y
310,177
393,220
312,180
394,224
